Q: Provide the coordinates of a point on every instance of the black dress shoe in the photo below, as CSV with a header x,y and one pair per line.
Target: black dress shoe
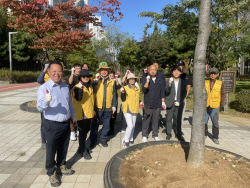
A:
x,y
104,143
168,136
92,145
164,131
180,138
86,155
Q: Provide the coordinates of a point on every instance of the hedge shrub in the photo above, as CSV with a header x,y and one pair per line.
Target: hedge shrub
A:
x,y
242,101
18,76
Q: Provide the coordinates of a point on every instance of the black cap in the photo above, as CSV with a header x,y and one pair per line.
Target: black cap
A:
x,y
84,72
181,63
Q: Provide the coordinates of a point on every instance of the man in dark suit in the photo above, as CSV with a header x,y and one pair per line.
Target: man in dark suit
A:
x,y
176,91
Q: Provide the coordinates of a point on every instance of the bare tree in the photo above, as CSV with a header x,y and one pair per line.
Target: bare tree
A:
x,y
197,146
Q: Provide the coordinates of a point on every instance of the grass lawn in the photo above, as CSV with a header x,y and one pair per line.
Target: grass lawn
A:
x,y
240,85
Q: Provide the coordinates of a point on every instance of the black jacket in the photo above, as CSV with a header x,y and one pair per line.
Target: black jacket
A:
x,y
154,93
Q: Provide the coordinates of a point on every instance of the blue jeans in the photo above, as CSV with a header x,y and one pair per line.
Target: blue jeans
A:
x,y
105,116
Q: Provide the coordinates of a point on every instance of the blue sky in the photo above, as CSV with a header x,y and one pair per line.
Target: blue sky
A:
x,y
131,8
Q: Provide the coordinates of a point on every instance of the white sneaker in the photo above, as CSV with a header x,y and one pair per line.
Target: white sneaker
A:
x,y
77,133
156,139
144,139
73,136
122,131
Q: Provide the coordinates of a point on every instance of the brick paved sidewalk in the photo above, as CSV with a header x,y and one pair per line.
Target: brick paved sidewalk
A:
x,y
20,135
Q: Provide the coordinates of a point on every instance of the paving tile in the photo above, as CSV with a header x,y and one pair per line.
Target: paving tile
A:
x,y
28,179
8,185
28,164
15,178
89,171
22,185
5,163
35,171
37,185
83,178
41,179
81,185
9,170
22,171
16,164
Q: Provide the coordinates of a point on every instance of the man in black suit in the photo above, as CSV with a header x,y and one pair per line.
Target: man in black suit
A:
x,y
176,91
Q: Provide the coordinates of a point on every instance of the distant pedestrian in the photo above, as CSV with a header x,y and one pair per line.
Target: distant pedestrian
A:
x,y
54,100
105,104
83,101
176,91
130,104
215,99
71,82
115,77
42,78
154,100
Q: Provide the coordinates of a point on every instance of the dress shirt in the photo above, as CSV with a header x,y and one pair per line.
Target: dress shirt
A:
x,y
60,108
176,88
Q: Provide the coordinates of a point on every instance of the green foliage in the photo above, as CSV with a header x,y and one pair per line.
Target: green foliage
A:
x,y
87,55
230,21
242,102
18,76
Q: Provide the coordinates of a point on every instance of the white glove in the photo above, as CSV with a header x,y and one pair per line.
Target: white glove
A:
x,y
177,104
127,72
113,109
48,96
46,66
163,105
122,90
97,76
146,70
171,80
73,70
73,121
80,85
148,78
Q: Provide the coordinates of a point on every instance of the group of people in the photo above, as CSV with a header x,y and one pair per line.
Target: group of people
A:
x,y
78,106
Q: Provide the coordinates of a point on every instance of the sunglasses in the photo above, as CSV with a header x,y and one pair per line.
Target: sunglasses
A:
x,y
85,76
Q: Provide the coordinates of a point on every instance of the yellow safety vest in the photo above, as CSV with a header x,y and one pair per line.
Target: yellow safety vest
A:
x,y
132,100
100,93
86,105
214,96
46,77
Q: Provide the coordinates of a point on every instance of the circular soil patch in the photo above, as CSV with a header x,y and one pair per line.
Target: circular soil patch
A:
x,y
29,107
163,164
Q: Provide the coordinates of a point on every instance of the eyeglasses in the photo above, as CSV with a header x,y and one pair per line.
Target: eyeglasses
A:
x,y
85,76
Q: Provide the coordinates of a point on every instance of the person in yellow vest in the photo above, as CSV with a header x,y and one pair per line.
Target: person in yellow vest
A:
x,y
42,78
83,102
215,99
130,106
105,104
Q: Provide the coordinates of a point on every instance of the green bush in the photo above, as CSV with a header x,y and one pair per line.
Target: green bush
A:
x,y
18,76
242,101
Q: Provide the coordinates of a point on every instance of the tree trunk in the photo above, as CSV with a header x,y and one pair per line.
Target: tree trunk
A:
x,y
46,56
197,144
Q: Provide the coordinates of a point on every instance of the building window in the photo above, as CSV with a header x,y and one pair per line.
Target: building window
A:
x,y
247,67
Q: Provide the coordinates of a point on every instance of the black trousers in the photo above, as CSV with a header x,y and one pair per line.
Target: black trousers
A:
x,y
84,128
149,113
172,113
112,122
57,135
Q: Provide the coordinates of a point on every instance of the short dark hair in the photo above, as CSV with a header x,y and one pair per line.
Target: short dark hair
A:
x,y
77,65
155,61
111,72
85,64
55,63
175,67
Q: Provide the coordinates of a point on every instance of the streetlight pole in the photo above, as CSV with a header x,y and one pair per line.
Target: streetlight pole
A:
x,y
10,54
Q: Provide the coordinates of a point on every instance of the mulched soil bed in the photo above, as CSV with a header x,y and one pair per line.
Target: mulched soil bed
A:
x,y
164,166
